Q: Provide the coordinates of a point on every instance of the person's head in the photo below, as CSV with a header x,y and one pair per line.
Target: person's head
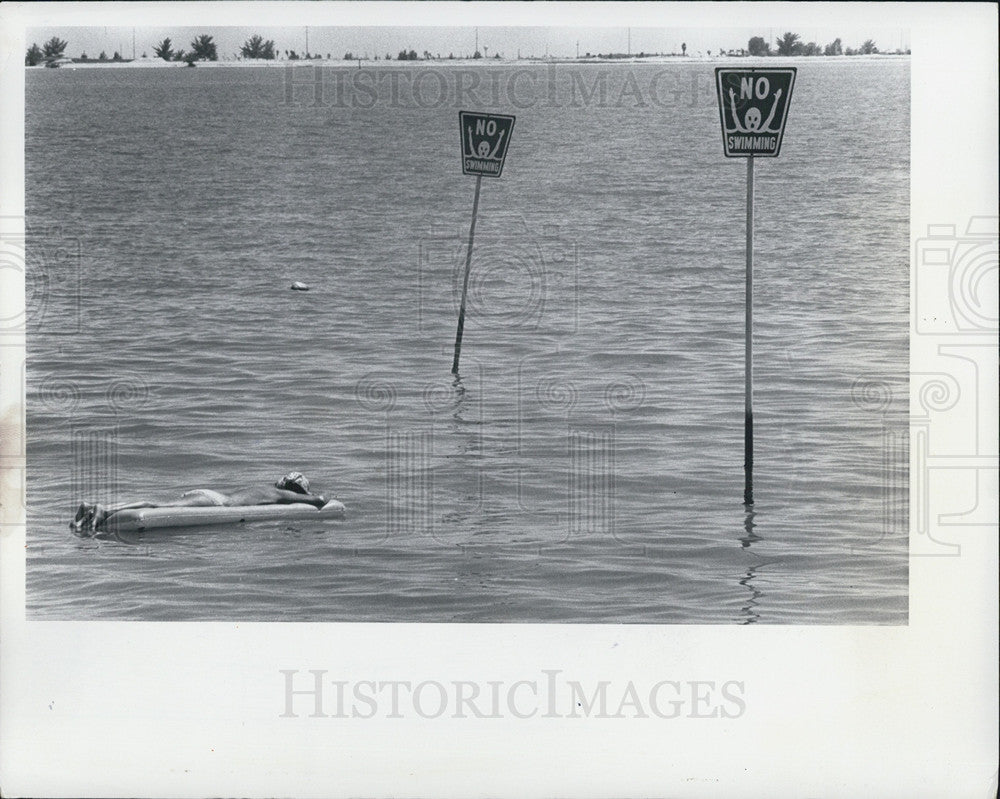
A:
x,y
294,481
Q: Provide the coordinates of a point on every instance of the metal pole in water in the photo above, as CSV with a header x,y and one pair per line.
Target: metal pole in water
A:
x,y
465,282
748,387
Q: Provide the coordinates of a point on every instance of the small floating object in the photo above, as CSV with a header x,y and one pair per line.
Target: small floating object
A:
x,y
296,286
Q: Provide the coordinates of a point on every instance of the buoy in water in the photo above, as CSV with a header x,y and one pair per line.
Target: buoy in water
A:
x,y
296,286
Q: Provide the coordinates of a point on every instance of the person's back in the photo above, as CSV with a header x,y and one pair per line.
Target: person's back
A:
x,y
293,488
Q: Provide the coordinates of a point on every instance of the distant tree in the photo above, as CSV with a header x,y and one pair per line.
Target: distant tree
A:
x,y
833,48
203,49
292,55
850,51
348,56
684,48
144,55
83,57
477,54
163,50
757,46
54,47
256,47
451,55
103,56
868,47
789,44
427,55
34,56
117,56
179,55
811,49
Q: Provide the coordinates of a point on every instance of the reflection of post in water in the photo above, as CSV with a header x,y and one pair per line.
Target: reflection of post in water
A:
x,y
469,437
748,611
748,525
456,420
459,396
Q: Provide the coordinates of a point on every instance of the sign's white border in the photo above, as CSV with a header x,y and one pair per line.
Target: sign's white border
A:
x,y
462,115
790,71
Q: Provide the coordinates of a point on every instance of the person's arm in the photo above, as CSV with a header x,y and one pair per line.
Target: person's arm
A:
x,y
293,497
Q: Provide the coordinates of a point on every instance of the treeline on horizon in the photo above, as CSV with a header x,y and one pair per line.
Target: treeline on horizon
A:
x,y
203,48
790,44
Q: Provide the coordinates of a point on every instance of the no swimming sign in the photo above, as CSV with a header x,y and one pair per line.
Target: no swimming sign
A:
x,y
753,105
485,138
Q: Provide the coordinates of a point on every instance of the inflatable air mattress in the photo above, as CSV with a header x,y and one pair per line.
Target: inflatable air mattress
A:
x,y
141,519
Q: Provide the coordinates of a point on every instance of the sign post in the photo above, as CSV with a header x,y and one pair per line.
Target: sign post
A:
x,y
753,107
484,138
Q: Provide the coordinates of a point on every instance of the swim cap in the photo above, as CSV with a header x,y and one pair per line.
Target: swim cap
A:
x,y
294,481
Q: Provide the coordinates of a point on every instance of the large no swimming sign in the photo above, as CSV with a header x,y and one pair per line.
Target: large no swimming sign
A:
x,y
753,105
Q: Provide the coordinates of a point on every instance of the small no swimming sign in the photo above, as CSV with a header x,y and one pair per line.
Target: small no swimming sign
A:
x,y
753,104
485,138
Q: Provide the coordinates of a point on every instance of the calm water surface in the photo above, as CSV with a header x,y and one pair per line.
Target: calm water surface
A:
x,y
587,465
